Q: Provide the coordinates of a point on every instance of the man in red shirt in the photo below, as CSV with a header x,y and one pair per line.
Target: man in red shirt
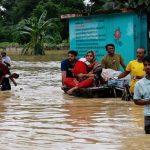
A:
x,y
5,76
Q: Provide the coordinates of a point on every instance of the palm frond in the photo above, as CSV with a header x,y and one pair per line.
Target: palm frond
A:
x,y
42,18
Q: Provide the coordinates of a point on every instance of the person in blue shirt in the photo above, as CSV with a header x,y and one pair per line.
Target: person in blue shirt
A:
x,y
68,64
142,94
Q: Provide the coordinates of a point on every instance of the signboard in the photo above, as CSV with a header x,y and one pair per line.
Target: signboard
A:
x,y
65,16
127,31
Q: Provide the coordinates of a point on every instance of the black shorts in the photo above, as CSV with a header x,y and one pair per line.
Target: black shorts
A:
x,y
147,124
5,85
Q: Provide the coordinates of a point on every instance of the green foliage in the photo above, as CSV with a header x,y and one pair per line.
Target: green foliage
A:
x,y
70,6
138,6
36,29
15,11
95,6
55,8
51,8
8,44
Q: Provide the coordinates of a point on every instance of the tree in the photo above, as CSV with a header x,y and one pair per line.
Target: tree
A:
x,y
95,6
55,8
138,6
16,11
36,29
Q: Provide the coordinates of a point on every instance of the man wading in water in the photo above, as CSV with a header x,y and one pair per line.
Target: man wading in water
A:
x,y
142,93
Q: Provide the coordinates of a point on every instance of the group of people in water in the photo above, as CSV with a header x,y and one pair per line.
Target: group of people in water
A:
x,y
5,73
87,72
81,73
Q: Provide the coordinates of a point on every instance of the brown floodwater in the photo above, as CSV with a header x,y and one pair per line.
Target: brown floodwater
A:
x,y
37,115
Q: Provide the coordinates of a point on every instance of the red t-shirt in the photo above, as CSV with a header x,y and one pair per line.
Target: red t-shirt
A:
x,y
4,69
80,67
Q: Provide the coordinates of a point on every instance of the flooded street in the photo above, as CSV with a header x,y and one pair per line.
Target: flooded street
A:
x,y
37,115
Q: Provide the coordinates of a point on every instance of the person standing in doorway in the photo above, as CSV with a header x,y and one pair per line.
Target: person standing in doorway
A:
x,y
112,60
142,94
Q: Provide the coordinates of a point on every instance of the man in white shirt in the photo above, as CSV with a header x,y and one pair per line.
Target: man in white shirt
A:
x,y
6,59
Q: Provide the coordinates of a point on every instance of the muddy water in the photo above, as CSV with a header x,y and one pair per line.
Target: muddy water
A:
x,y
37,115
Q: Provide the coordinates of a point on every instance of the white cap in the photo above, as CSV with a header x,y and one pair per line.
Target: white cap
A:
x,y
84,60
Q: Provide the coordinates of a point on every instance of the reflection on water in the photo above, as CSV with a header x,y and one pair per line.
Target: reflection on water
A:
x,y
37,115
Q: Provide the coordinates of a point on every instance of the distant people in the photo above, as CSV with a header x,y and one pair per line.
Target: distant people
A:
x,y
83,73
6,59
4,71
112,60
4,79
135,68
68,64
5,75
142,94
